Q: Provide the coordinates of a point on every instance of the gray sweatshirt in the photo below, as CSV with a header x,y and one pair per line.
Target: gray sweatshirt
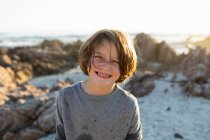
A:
x,y
80,116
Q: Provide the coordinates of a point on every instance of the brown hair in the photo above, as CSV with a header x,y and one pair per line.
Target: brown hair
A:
x,y
126,52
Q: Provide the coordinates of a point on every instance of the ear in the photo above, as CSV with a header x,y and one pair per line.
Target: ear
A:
x,y
89,67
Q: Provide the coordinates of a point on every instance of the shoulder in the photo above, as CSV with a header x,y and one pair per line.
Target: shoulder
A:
x,y
68,91
128,98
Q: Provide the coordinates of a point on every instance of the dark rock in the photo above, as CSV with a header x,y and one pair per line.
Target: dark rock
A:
x,y
177,135
141,84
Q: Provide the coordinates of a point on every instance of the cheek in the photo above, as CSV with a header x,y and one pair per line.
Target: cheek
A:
x,y
117,71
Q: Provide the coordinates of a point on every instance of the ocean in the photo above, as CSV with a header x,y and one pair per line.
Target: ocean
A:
x,y
176,41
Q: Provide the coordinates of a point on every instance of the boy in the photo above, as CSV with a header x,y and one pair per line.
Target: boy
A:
x,y
98,109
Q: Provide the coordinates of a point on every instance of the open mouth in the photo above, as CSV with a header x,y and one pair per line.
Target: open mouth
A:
x,y
103,75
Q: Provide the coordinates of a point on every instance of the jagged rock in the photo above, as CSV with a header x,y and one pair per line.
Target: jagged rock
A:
x,y
145,46
25,91
196,64
50,57
165,54
59,84
52,45
6,83
141,84
29,113
21,117
3,99
151,51
5,60
196,89
196,67
7,76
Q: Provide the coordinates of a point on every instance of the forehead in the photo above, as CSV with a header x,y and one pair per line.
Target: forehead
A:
x,y
106,47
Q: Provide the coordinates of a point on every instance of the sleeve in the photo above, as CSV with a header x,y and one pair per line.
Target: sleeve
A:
x,y
60,133
135,130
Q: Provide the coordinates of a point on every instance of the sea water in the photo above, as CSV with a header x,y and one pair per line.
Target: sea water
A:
x,y
179,42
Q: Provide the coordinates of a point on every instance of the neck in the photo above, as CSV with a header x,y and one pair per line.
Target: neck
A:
x,y
94,90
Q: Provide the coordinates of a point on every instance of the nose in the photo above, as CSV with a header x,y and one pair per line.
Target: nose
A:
x,y
106,65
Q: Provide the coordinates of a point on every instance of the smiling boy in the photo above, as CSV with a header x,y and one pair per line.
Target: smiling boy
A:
x,y
98,108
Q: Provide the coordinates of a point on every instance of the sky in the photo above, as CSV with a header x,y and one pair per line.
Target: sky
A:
x,y
88,16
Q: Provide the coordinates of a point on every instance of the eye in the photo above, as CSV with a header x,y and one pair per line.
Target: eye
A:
x,y
115,61
97,56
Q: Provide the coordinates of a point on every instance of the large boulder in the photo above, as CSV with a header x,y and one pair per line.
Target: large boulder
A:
x,y
152,52
196,64
50,57
145,46
19,120
141,83
29,113
196,67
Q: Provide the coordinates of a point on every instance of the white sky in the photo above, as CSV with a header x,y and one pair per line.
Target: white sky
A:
x,y
87,16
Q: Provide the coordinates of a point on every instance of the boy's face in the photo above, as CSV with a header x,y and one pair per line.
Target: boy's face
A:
x,y
104,70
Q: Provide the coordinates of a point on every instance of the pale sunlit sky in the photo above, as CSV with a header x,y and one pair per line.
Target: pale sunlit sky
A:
x,y
87,16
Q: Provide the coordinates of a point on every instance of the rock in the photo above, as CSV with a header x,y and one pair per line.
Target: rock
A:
x,y
46,121
151,51
3,99
29,134
48,137
30,119
59,84
141,84
196,67
26,91
177,135
52,45
6,83
50,57
9,136
165,54
196,89
29,113
145,46
196,64
205,43
5,60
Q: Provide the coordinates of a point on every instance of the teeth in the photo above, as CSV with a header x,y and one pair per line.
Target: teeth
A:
x,y
103,75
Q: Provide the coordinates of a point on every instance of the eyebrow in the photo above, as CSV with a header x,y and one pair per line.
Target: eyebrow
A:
x,y
99,53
